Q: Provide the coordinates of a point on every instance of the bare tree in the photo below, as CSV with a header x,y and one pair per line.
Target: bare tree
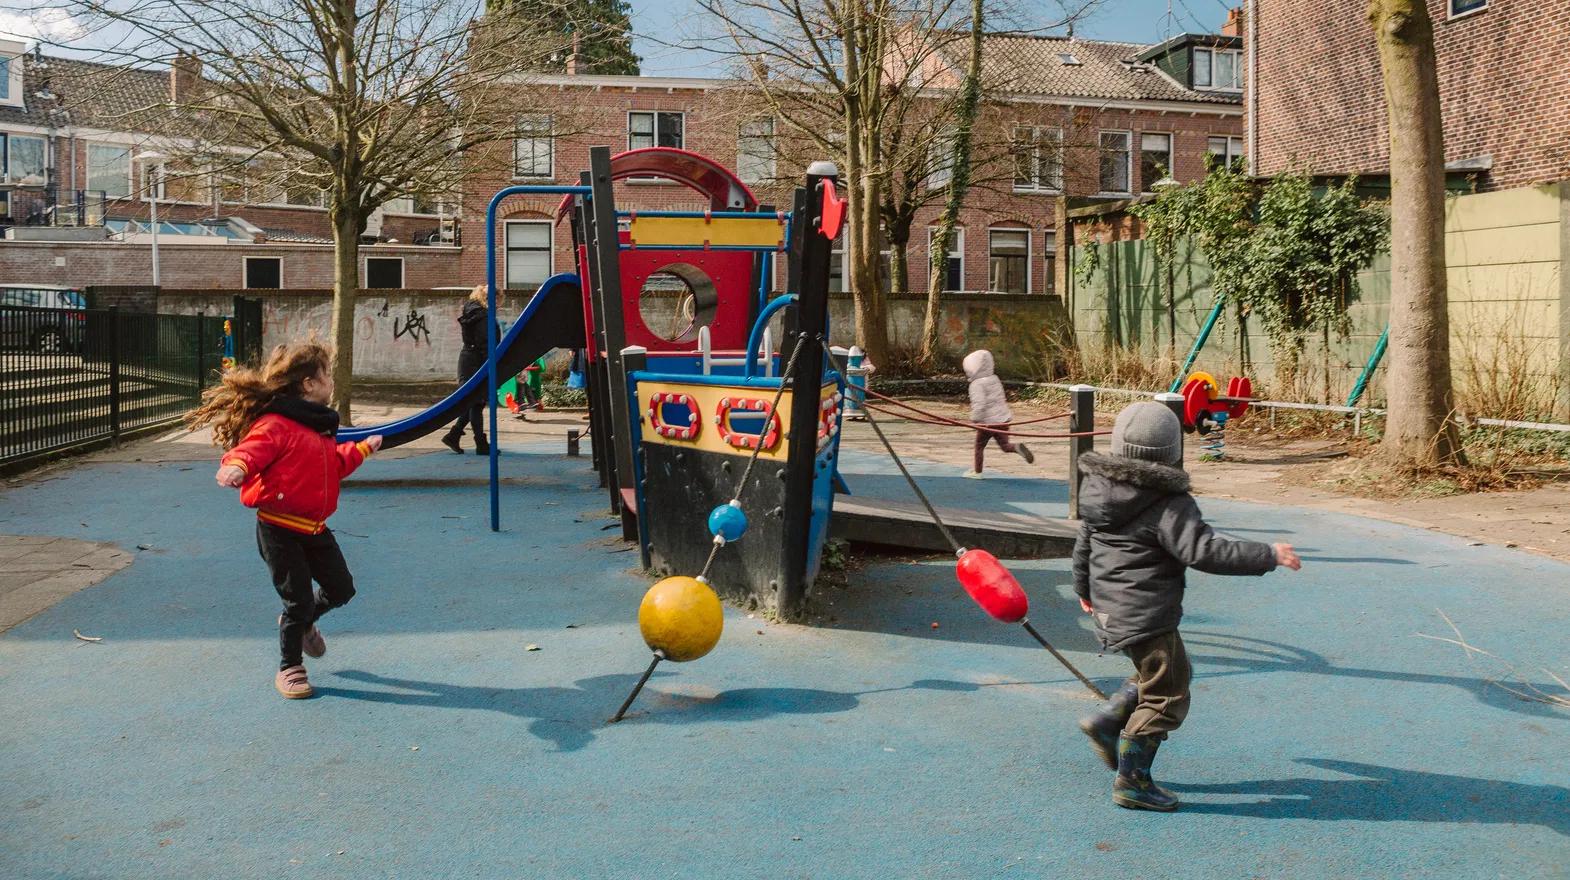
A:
x,y
365,101
1419,431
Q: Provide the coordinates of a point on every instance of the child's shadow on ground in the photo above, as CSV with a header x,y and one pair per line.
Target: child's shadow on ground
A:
x,y
569,717
1388,794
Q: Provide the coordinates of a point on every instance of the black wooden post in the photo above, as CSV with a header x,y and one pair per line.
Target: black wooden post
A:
x,y
1082,405
1174,402
810,254
201,348
605,254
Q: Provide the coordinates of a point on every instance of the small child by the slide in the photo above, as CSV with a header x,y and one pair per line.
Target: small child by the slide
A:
x,y
989,408
283,456
1140,532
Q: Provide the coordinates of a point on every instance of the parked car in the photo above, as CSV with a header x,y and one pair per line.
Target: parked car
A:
x,y
58,326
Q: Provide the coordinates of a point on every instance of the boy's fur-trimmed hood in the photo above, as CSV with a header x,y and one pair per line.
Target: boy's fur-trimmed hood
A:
x,y
1145,474
1117,488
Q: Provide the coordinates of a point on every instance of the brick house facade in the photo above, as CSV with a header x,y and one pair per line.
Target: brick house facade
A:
x,y
1009,226
68,147
1086,117
1504,92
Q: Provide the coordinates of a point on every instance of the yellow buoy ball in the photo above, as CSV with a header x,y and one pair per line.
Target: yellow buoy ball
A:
x,y
681,617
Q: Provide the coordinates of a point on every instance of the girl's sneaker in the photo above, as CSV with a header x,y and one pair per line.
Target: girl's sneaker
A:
x,y
313,644
1025,453
293,684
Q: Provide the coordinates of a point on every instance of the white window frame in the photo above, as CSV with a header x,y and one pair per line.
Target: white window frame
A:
x,y
151,191
940,154
550,249
655,131
130,169
245,273
1234,150
1213,52
549,136
1450,7
402,206
768,162
1128,161
1036,158
10,138
11,95
958,251
1145,186
1049,283
1030,249
365,272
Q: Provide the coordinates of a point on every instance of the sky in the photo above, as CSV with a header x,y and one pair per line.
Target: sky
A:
x,y
661,26
1131,21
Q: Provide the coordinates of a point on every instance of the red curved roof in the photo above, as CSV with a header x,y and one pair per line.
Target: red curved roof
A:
x,y
725,190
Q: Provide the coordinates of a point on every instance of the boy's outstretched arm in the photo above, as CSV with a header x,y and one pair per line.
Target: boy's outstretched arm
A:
x,y
1184,533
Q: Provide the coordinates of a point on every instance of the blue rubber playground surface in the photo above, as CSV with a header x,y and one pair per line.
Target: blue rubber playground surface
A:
x,y
1326,738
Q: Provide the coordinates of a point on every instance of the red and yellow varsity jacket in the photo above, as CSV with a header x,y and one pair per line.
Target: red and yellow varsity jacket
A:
x,y
292,472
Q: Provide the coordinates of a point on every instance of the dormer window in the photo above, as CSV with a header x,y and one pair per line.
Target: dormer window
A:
x,y
1218,69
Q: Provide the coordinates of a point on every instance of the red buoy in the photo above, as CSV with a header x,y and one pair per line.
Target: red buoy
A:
x,y
992,586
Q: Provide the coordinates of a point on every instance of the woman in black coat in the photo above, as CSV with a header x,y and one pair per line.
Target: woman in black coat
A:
x,y
470,361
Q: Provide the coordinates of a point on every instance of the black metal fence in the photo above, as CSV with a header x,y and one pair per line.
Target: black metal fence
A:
x,y
73,377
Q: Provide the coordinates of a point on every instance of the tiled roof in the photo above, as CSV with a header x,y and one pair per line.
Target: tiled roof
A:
x,y
1106,71
95,95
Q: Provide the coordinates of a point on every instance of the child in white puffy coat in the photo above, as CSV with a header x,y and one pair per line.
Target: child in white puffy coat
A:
x,y
989,407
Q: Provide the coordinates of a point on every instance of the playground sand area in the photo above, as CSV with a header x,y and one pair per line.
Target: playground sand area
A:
x,y
460,727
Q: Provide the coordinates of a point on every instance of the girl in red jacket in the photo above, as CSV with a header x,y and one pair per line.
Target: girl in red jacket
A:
x,y
281,454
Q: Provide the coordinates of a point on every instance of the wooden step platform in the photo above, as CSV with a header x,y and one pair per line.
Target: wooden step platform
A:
x,y
906,524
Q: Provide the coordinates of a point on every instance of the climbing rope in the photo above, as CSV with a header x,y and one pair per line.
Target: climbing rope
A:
x,y
956,423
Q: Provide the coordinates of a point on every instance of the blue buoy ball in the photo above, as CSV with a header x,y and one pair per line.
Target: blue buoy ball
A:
x,y
728,522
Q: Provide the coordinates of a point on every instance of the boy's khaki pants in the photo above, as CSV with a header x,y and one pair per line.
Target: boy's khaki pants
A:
x,y
1162,672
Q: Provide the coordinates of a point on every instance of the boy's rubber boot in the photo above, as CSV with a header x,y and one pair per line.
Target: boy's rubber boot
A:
x,y
1106,724
451,442
482,446
1134,788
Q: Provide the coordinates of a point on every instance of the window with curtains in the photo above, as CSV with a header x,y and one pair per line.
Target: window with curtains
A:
x,y
24,160
1008,259
109,170
1226,151
1049,253
1155,159
1218,69
755,150
528,254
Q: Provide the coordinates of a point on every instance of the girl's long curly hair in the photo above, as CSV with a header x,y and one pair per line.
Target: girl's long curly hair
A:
x,y
233,405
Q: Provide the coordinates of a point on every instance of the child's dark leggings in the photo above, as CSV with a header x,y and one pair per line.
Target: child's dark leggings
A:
x,y
988,433
295,559
1162,671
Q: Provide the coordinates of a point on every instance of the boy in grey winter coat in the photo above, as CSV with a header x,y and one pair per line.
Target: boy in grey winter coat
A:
x,y
1140,531
989,408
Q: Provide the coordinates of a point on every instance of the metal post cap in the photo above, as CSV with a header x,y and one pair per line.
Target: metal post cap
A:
x,y
823,168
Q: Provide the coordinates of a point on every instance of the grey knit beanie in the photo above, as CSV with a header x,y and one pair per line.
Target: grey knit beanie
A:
x,y
1150,432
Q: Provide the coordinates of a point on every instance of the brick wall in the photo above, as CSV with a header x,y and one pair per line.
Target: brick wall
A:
x,y
598,115
1502,79
203,265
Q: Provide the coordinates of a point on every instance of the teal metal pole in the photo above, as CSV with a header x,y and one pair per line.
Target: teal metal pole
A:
x,y
1199,343
1368,369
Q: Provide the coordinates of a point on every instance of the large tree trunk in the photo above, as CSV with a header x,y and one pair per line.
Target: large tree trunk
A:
x,y
861,263
959,185
1419,431
899,265
346,286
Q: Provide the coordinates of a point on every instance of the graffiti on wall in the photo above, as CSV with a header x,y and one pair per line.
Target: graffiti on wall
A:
x,y
412,326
